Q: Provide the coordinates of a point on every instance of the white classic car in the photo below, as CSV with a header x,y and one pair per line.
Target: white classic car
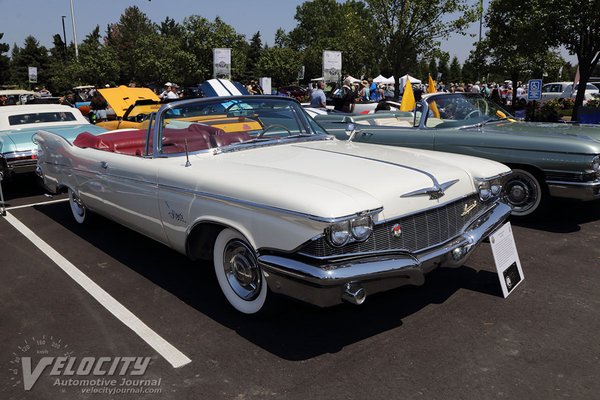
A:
x,y
258,187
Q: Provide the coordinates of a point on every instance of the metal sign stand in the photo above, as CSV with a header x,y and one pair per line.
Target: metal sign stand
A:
x,y
2,207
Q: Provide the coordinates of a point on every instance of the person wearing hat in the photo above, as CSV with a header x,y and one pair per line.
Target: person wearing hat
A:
x,y
363,93
165,92
345,97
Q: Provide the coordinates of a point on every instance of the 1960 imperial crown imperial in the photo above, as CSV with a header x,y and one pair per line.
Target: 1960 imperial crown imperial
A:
x,y
254,184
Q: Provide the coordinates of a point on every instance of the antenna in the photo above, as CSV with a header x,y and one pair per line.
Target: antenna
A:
x,y
187,156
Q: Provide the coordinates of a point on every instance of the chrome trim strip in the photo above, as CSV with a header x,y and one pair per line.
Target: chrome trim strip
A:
x,y
591,184
317,218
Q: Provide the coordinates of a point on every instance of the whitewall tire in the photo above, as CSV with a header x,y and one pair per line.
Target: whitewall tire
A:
x,y
78,209
240,277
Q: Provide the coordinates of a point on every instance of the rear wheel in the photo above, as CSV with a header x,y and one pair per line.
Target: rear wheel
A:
x,y
239,274
78,209
525,193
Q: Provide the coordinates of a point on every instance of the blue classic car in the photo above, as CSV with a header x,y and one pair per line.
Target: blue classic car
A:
x,y
18,153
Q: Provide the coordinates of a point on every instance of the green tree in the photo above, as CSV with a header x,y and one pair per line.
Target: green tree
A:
x,y
254,52
31,55
97,65
201,36
509,22
443,67
125,36
281,64
455,72
4,61
576,25
412,29
432,68
329,25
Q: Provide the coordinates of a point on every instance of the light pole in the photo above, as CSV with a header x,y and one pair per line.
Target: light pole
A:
x,y
64,36
74,32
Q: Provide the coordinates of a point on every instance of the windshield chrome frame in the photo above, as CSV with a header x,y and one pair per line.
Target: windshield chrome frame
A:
x,y
155,125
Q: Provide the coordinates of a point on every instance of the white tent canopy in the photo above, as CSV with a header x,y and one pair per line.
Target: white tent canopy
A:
x,y
406,77
380,79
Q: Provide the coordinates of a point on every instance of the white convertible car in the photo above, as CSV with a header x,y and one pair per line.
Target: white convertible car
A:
x,y
258,187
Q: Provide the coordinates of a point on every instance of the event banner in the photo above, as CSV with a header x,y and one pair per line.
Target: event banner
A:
x,y
222,63
32,72
332,66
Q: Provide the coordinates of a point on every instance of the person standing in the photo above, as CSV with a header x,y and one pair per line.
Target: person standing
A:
x,y
99,106
317,96
345,97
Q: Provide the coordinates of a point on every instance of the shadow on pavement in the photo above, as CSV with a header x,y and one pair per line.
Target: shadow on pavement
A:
x,y
563,216
25,186
299,331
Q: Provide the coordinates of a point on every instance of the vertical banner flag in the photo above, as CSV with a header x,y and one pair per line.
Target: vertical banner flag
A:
x,y
408,102
32,74
332,66
432,105
222,63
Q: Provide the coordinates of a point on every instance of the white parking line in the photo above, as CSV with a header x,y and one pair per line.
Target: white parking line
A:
x,y
175,357
36,204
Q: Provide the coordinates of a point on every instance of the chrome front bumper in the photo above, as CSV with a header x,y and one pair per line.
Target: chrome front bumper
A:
x,y
584,191
329,284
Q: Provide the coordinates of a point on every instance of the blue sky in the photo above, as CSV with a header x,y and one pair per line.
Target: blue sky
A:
x,y
42,18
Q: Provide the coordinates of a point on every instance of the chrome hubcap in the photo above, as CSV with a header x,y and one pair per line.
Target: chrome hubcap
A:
x,y
78,206
241,270
521,192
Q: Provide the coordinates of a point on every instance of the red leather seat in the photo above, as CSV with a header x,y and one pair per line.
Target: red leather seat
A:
x,y
197,136
223,138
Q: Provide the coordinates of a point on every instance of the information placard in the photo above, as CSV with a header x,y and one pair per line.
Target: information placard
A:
x,y
506,259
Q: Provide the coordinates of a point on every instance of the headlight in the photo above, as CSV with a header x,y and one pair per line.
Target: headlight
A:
x,y
339,234
488,189
596,165
357,229
361,228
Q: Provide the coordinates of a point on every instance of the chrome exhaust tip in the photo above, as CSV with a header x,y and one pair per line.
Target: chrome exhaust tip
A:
x,y
354,293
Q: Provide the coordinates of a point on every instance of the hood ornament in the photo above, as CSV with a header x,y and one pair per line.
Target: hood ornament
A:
x,y
435,192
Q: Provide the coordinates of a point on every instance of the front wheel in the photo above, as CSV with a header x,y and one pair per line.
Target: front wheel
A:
x,y
239,274
525,193
78,209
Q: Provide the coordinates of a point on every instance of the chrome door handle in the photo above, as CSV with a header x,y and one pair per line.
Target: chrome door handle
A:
x,y
103,164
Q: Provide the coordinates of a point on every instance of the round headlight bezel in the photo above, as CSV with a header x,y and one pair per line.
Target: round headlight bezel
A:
x,y
339,234
596,165
361,228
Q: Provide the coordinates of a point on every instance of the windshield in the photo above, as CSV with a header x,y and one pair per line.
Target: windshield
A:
x,y
225,122
456,110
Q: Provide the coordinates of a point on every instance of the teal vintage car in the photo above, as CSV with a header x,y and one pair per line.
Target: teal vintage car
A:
x,y
547,159
18,124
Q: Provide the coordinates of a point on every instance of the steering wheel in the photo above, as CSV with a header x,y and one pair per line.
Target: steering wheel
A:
x,y
474,114
268,128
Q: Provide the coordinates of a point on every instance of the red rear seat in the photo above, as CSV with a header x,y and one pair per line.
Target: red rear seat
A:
x,y
199,137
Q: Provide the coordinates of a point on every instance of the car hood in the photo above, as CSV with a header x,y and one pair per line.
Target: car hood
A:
x,y
21,139
331,179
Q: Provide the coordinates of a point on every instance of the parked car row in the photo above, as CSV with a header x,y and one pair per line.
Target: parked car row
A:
x,y
262,188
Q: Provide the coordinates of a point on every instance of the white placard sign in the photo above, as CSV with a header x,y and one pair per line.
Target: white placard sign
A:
x,y
222,63
32,72
332,66
506,258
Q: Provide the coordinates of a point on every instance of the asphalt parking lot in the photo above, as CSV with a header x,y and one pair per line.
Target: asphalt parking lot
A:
x,y
456,337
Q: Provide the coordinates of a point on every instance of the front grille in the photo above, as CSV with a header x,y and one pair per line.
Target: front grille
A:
x,y
419,231
570,176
